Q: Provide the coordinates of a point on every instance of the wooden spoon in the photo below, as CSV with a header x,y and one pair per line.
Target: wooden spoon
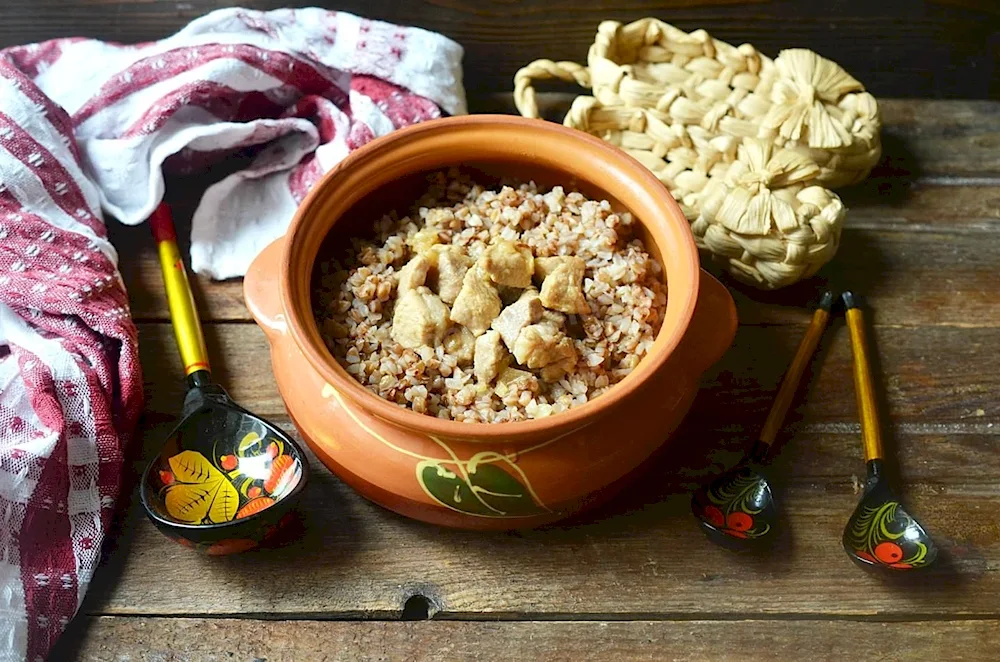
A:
x,y
880,533
738,507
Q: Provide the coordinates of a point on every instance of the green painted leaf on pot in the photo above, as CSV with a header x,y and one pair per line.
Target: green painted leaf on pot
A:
x,y
481,487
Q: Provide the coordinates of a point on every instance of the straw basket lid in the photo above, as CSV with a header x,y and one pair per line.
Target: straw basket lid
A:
x,y
748,146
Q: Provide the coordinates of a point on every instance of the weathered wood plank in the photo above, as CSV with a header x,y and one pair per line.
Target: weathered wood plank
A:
x,y
931,375
884,203
897,47
919,140
168,639
640,555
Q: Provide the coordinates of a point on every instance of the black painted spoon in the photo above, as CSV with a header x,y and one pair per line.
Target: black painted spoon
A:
x,y
225,478
880,533
738,508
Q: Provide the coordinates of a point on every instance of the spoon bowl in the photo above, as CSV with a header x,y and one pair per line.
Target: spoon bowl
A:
x,y
225,479
882,535
737,508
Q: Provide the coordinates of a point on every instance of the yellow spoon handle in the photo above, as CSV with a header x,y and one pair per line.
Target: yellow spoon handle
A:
x,y
183,312
864,386
786,392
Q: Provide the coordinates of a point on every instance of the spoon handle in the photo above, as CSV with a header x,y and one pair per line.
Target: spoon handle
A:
x,y
794,375
864,384
183,312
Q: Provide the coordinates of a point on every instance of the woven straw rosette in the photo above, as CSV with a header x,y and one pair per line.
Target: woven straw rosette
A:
x,y
748,146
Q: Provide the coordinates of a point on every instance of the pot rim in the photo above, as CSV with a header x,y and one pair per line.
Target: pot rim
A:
x,y
295,276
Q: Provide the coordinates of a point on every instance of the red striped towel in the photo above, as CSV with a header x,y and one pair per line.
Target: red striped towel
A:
x,y
86,127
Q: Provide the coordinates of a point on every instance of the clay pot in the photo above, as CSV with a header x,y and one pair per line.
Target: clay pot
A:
x,y
477,475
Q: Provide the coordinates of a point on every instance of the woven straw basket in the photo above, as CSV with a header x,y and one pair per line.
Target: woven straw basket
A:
x,y
747,145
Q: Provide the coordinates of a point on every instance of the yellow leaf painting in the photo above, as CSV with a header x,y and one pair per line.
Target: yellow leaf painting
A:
x,y
226,503
189,503
201,491
193,467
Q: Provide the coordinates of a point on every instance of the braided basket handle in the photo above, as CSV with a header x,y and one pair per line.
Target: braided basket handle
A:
x,y
524,91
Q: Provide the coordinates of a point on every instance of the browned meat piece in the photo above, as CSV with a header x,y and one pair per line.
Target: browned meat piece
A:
x,y
506,263
562,283
539,345
553,318
553,372
526,310
420,318
413,274
450,264
491,356
546,265
461,344
477,304
423,239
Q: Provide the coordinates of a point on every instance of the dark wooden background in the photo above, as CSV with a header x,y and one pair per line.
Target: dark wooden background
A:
x,y
898,48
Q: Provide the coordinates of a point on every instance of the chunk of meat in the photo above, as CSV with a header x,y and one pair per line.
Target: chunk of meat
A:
x,y
562,283
553,318
477,304
546,265
413,274
491,356
420,319
423,239
461,344
450,264
539,345
512,378
553,372
526,310
507,263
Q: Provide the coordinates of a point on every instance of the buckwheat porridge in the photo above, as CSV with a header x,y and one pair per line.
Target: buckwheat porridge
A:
x,y
492,305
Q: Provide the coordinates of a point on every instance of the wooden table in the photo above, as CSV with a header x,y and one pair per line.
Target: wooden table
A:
x,y
637,580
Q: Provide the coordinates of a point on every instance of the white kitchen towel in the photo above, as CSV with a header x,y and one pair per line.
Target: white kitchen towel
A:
x,y
302,86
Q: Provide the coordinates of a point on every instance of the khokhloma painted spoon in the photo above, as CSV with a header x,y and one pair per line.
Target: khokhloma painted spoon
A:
x,y
225,478
880,533
738,507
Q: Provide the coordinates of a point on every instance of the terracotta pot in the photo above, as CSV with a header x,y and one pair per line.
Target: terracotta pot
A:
x,y
477,475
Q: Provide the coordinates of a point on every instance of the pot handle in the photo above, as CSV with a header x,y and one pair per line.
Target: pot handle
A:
x,y
261,291
712,327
